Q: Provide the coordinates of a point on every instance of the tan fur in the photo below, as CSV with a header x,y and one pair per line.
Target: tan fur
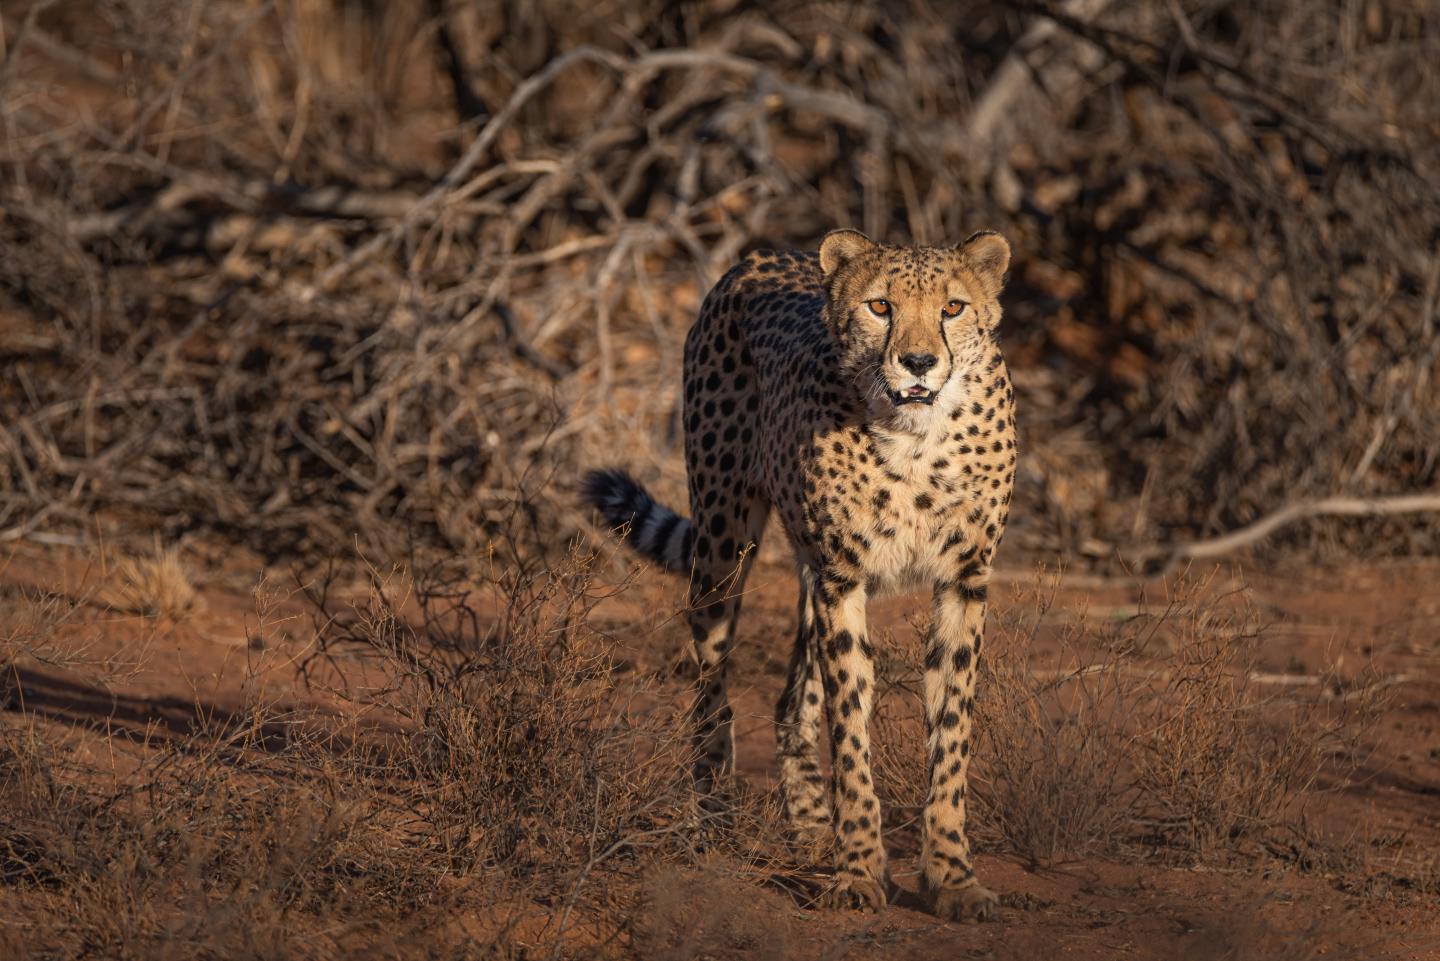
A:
x,y
793,377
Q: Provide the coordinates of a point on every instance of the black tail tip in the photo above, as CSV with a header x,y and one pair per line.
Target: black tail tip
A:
x,y
613,493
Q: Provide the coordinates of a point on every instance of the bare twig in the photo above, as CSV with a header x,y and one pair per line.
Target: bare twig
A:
x,y
454,178
1327,507
26,34
994,110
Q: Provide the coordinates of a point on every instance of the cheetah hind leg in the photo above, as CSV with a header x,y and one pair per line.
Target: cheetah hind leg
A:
x,y
797,720
723,559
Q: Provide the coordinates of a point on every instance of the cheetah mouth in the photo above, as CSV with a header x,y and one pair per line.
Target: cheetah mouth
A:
x,y
913,395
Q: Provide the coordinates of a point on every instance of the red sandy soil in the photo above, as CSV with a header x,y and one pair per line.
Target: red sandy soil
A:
x,y
1329,628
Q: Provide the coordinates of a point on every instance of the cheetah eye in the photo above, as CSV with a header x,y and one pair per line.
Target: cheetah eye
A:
x,y
880,308
954,309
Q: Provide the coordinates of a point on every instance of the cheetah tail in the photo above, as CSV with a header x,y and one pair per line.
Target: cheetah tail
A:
x,y
656,532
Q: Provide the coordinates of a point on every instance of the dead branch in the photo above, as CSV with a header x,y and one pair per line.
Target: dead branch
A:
x,y
636,72
986,128
1328,507
453,179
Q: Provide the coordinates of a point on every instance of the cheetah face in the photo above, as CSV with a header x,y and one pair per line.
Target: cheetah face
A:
x,y
908,318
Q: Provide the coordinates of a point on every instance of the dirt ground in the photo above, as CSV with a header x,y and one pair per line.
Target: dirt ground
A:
x,y
1329,633
1326,627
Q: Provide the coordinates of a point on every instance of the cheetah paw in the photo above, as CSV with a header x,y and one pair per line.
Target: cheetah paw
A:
x,y
861,893
973,902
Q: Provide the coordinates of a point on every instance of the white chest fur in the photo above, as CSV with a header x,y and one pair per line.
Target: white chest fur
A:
x,y
908,537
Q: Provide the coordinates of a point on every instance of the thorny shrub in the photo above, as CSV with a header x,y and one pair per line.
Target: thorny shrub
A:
x,y
520,747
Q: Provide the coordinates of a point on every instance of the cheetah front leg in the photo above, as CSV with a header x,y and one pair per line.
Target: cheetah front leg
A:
x,y
848,672
947,872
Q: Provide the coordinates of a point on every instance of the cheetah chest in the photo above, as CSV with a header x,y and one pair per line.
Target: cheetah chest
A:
x,y
914,514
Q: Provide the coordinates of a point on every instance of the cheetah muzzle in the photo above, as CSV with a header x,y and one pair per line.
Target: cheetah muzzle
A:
x,y
914,394
859,394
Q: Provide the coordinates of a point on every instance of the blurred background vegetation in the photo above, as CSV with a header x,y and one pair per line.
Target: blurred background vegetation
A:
x,y
299,273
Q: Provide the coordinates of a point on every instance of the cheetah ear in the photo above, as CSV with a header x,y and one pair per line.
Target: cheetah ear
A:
x,y
989,256
842,246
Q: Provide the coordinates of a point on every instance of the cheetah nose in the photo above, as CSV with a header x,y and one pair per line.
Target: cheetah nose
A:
x,y
918,364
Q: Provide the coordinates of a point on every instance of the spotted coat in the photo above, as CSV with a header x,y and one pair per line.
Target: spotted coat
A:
x,y
859,395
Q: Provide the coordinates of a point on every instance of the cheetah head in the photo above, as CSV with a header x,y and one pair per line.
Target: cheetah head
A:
x,y
911,320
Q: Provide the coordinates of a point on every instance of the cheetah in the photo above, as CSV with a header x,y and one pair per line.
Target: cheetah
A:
x,y
858,392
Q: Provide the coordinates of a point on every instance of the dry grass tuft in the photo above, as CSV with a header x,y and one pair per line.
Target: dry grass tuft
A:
x,y
1052,782
526,748
1213,764
155,585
